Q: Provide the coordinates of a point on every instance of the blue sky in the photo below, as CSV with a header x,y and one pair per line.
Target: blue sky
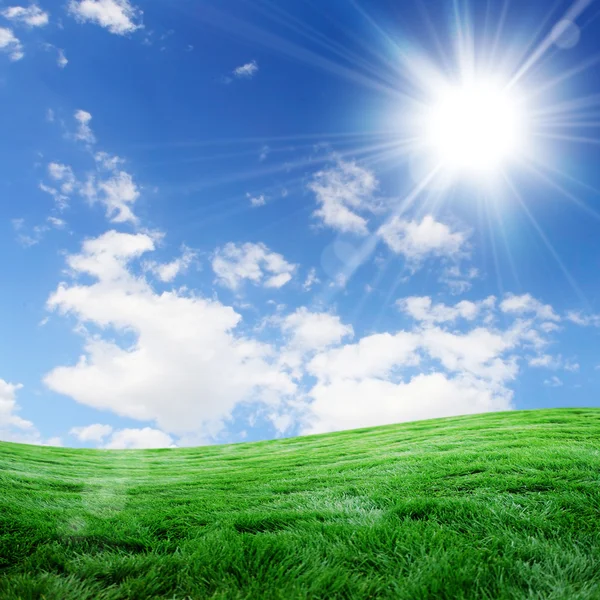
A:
x,y
227,221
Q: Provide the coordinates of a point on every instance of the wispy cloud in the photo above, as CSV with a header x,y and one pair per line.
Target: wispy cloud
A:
x,y
256,201
84,131
61,59
246,71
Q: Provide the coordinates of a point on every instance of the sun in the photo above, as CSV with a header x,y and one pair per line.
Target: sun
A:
x,y
474,128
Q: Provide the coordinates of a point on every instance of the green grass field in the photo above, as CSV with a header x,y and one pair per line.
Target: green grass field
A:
x,y
503,505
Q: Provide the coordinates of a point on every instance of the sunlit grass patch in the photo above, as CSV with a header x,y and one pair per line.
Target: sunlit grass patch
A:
x,y
491,506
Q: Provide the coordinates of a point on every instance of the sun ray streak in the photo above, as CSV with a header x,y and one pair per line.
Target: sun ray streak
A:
x,y
369,245
576,9
553,184
575,287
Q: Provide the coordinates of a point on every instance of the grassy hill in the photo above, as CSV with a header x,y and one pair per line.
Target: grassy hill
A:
x,y
503,505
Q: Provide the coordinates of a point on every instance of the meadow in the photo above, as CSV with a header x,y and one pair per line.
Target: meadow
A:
x,y
495,506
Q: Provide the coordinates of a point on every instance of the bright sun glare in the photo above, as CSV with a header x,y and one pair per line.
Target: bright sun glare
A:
x,y
474,128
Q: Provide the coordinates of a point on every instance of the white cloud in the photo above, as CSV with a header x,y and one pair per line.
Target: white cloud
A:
x,y
11,44
14,428
91,433
111,186
457,280
311,279
36,233
8,408
527,304
348,404
246,71
256,201
56,222
61,59
431,371
314,331
84,131
61,200
341,193
117,193
422,308
233,264
583,320
548,361
264,152
33,15
169,271
417,241
187,368
376,355
64,174
139,439
108,162
544,360
554,381
478,353
118,16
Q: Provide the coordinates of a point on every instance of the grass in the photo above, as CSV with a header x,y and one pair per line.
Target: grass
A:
x,y
498,506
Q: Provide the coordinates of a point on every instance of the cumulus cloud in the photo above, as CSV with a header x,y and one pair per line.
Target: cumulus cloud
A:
x,y
526,304
416,241
375,355
343,404
314,331
187,368
233,264
10,44
342,193
123,439
139,439
118,16
167,272
180,361
422,308
432,370
32,16
91,433
246,71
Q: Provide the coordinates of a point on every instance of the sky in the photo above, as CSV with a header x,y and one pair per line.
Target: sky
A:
x,y
237,220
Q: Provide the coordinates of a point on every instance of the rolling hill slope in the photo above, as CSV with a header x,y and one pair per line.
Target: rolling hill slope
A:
x,y
503,505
